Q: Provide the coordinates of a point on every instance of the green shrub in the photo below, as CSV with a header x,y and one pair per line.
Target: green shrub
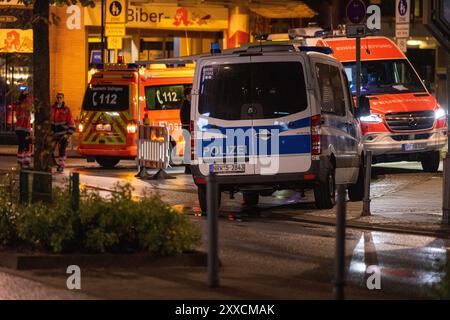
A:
x,y
118,223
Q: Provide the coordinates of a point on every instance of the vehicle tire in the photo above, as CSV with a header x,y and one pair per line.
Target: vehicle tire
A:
x,y
356,191
430,161
201,191
250,198
325,190
107,162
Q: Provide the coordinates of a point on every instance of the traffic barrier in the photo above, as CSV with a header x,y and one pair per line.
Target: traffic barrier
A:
x,y
153,151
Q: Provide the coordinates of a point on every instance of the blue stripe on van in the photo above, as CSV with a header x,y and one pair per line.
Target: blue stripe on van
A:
x,y
293,144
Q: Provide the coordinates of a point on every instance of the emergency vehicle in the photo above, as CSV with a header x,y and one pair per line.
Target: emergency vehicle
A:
x,y
263,119
119,97
406,122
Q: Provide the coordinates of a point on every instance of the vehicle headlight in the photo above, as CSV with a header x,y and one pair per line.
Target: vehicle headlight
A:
x,y
439,113
373,118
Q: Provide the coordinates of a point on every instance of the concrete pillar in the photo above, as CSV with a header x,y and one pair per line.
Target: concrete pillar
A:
x,y
238,29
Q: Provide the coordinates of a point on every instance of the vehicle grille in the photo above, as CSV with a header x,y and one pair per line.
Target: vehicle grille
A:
x,y
419,136
410,121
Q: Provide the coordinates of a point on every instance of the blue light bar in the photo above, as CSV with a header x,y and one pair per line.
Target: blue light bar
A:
x,y
215,48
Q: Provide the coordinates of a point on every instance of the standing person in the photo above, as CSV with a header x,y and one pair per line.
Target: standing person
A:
x,y
23,109
185,117
63,127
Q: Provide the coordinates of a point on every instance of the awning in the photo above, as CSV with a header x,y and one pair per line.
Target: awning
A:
x,y
283,11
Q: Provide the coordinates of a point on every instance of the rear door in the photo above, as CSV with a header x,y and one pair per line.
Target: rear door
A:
x,y
224,128
106,113
282,121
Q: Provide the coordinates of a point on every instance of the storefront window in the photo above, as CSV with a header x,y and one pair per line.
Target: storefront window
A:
x,y
151,49
15,76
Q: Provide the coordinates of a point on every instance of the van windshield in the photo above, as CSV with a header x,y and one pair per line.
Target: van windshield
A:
x,y
276,89
106,98
167,97
384,76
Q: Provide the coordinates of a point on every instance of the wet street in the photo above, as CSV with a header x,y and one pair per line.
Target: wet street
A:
x,y
283,248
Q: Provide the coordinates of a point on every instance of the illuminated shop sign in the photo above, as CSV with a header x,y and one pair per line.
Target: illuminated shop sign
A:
x,y
16,40
168,17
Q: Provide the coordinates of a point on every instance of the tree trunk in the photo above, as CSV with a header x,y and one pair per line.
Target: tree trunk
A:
x,y
44,144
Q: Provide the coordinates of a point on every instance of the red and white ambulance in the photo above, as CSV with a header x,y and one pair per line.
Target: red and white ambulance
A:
x,y
406,122
118,97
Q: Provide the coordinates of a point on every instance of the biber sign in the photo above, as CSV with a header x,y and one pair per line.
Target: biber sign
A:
x,y
168,17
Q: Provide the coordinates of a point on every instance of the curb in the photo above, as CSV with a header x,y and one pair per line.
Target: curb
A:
x,y
18,261
443,232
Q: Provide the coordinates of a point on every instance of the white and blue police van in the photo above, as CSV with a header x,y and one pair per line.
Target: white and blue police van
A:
x,y
275,117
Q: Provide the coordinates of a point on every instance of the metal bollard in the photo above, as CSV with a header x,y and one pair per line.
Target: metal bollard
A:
x,y
23,188
339,280
212,196
75,191
367,178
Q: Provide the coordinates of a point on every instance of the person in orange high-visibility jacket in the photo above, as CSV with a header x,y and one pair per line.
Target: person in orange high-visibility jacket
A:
x,y
22,126
63,127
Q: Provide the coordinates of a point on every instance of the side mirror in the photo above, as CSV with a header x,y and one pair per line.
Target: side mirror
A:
x,y
364,107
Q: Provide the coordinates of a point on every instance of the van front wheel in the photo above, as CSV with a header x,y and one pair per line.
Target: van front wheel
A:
x,y
325,190
430,161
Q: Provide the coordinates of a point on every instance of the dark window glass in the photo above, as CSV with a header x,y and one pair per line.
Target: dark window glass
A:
x,y
331,89
347,92
274,89
224,89
384,77
106,98
279,88
338,90
326,90
165,97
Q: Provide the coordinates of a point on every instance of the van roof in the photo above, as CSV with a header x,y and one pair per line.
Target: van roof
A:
x,y
372,48
170,72
274,54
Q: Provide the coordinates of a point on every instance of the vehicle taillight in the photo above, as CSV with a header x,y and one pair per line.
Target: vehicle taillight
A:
x,y
131,127
192,134
316,131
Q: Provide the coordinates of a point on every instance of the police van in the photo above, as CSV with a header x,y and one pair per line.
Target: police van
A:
x,y
273,117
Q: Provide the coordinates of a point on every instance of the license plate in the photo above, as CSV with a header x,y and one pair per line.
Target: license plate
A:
x,y
413,146
103,127
228,168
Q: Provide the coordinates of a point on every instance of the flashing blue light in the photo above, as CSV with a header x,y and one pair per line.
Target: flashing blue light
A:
x,y
215,48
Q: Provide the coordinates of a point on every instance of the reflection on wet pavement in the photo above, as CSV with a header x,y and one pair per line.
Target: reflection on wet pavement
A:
x,y
408,264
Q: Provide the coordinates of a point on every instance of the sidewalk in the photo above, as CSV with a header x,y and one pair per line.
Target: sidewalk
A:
x,y
11,150
412,208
